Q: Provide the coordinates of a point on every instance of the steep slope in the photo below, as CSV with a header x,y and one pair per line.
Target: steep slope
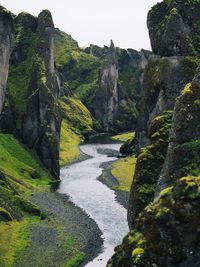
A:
x,y
6,42
33,219
113,97
163,209
31,110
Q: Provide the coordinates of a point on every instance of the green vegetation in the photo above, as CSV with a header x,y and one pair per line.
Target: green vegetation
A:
x,y
123,170
149,162
22,167
79,68
76,260
21,174
19,78
123,137
76,125
69,144
14,238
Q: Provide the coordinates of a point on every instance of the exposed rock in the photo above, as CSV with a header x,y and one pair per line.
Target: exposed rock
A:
x,y
174,28
164,209
31,110
82,70
184,147
6,42
105,104
164,79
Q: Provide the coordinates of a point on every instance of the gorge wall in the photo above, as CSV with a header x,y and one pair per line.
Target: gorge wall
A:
x,y
31,109
6,43
163,211
107,80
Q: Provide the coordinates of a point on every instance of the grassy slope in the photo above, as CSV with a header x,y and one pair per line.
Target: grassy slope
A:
x,y
24,176
123,171
79,69
77,123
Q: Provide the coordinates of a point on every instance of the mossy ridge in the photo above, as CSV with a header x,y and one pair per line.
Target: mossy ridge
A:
x,y
149,164
19,74
157,243
80,69
162,13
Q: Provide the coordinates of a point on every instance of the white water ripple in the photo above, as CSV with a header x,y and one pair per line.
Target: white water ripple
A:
x,y
79,182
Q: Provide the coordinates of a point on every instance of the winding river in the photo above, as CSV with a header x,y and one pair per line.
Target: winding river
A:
x,y
79,182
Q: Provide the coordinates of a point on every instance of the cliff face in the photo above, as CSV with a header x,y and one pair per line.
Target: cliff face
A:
x,y
31,110
163,210
105,103
174,28
108,80
6,42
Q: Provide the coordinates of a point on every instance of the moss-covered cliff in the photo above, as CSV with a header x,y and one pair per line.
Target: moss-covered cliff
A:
x,y
31,110
115,97
163,210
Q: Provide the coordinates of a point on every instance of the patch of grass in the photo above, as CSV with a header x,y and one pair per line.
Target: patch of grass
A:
x,y
69,144
123,170
14,238
70,243
123,137
20,164
77,123
76,260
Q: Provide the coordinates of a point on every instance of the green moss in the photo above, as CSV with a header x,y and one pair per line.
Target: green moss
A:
x,y
189,162
77,115
63,46
187,90
150,161
76,260
19,74
137,252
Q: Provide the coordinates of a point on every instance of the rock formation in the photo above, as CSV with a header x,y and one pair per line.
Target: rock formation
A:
x,y
31,110
105,104
108,80
163,210
6,42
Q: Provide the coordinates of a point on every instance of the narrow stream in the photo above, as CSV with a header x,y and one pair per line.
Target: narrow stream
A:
x,y
79,182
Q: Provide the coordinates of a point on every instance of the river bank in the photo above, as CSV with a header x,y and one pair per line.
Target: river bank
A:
x,y
109,180
66,234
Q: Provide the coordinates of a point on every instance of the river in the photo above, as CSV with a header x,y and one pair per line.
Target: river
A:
x,y
79,182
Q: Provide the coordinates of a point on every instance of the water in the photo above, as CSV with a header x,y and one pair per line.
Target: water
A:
x,y
79,182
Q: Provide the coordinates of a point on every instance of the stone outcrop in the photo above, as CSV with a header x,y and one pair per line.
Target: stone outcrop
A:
x,y
105,104
164,78
6,43
31,110
174,28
